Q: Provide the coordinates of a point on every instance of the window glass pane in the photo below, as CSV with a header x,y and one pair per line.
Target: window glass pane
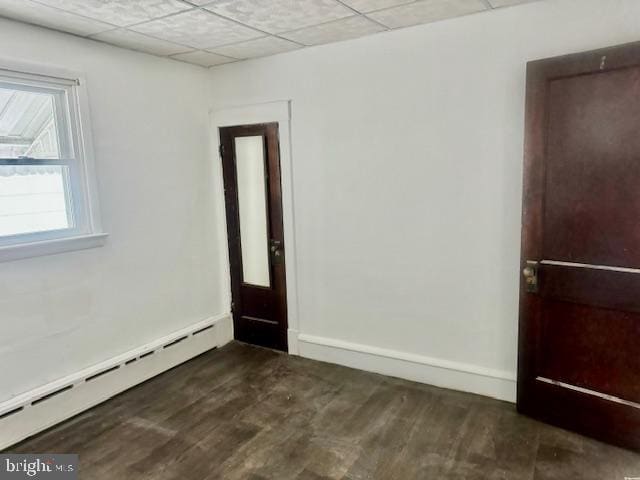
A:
x,y
252,199
27,124
32,199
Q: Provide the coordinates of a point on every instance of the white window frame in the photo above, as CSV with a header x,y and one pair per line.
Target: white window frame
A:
x,y
77,154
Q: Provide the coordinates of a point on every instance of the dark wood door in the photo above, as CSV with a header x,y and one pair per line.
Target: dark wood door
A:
x,y
253,196
579,356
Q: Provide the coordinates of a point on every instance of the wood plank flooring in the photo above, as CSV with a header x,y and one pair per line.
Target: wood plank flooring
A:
x,y
243,412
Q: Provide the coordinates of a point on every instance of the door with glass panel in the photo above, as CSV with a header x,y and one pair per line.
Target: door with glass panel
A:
x,y
253,196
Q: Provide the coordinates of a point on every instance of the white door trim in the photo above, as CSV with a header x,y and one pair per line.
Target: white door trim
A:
x,y
280,112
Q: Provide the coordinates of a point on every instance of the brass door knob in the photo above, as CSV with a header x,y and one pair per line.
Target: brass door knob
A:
x,y
530,273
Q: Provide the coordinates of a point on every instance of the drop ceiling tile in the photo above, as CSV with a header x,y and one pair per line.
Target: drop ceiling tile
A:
x,y
260,47
198,29
364,6
206,59
137,41
275,16
345,29
119,12
31,12
506,3
426,11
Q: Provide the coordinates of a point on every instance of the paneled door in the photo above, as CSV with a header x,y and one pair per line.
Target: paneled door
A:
x,y
579,347
253,198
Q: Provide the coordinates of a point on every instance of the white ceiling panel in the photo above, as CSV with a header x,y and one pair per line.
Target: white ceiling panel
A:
x,y
31,12
213,32
119,12
205,59
426,11
344,29
275,16
364,6
197,28
260,47
137,41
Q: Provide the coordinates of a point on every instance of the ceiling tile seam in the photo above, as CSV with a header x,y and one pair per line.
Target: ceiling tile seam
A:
x,y
133,49
73,14
329,22
200,50
162,17
190,2
253,58
195,7
486,9
70,12
116,27
266,34
411,2
235,21
277,34
525,2
357,12
151,37
240,42
198,64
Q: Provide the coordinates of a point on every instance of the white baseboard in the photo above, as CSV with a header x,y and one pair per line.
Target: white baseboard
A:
x,y
418,368
43,407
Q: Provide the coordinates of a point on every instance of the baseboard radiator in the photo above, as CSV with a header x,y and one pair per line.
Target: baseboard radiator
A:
x,y
43,407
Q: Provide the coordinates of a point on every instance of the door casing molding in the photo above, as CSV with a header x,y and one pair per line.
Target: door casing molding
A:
x,y
268,112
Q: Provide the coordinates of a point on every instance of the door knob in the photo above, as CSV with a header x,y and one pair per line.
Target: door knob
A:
x,y
530,273
277,256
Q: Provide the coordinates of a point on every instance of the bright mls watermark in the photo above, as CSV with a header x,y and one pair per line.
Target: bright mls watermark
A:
x,y
39,466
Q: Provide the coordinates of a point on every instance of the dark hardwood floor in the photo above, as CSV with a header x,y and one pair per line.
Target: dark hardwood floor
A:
x,y
243,412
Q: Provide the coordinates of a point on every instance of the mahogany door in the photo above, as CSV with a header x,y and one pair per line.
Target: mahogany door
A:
x,y
579,355
253,197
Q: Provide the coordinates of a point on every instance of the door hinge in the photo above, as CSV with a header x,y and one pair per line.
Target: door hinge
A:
x,y
221,150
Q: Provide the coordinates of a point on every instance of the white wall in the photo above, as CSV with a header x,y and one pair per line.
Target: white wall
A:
x,y
407,163
160,269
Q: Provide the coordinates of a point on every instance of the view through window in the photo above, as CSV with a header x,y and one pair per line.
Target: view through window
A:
x,y
34,173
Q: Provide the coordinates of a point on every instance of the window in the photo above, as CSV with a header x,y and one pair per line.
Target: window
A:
x,y
45,169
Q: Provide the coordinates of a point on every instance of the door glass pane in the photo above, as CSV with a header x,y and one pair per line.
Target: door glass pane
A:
x,y
252,199
27,124
33,199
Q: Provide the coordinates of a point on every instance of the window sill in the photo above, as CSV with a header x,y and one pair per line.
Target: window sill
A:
x,y
51,247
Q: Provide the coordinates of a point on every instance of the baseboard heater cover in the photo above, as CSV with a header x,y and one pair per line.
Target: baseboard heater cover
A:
x,y
43,407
